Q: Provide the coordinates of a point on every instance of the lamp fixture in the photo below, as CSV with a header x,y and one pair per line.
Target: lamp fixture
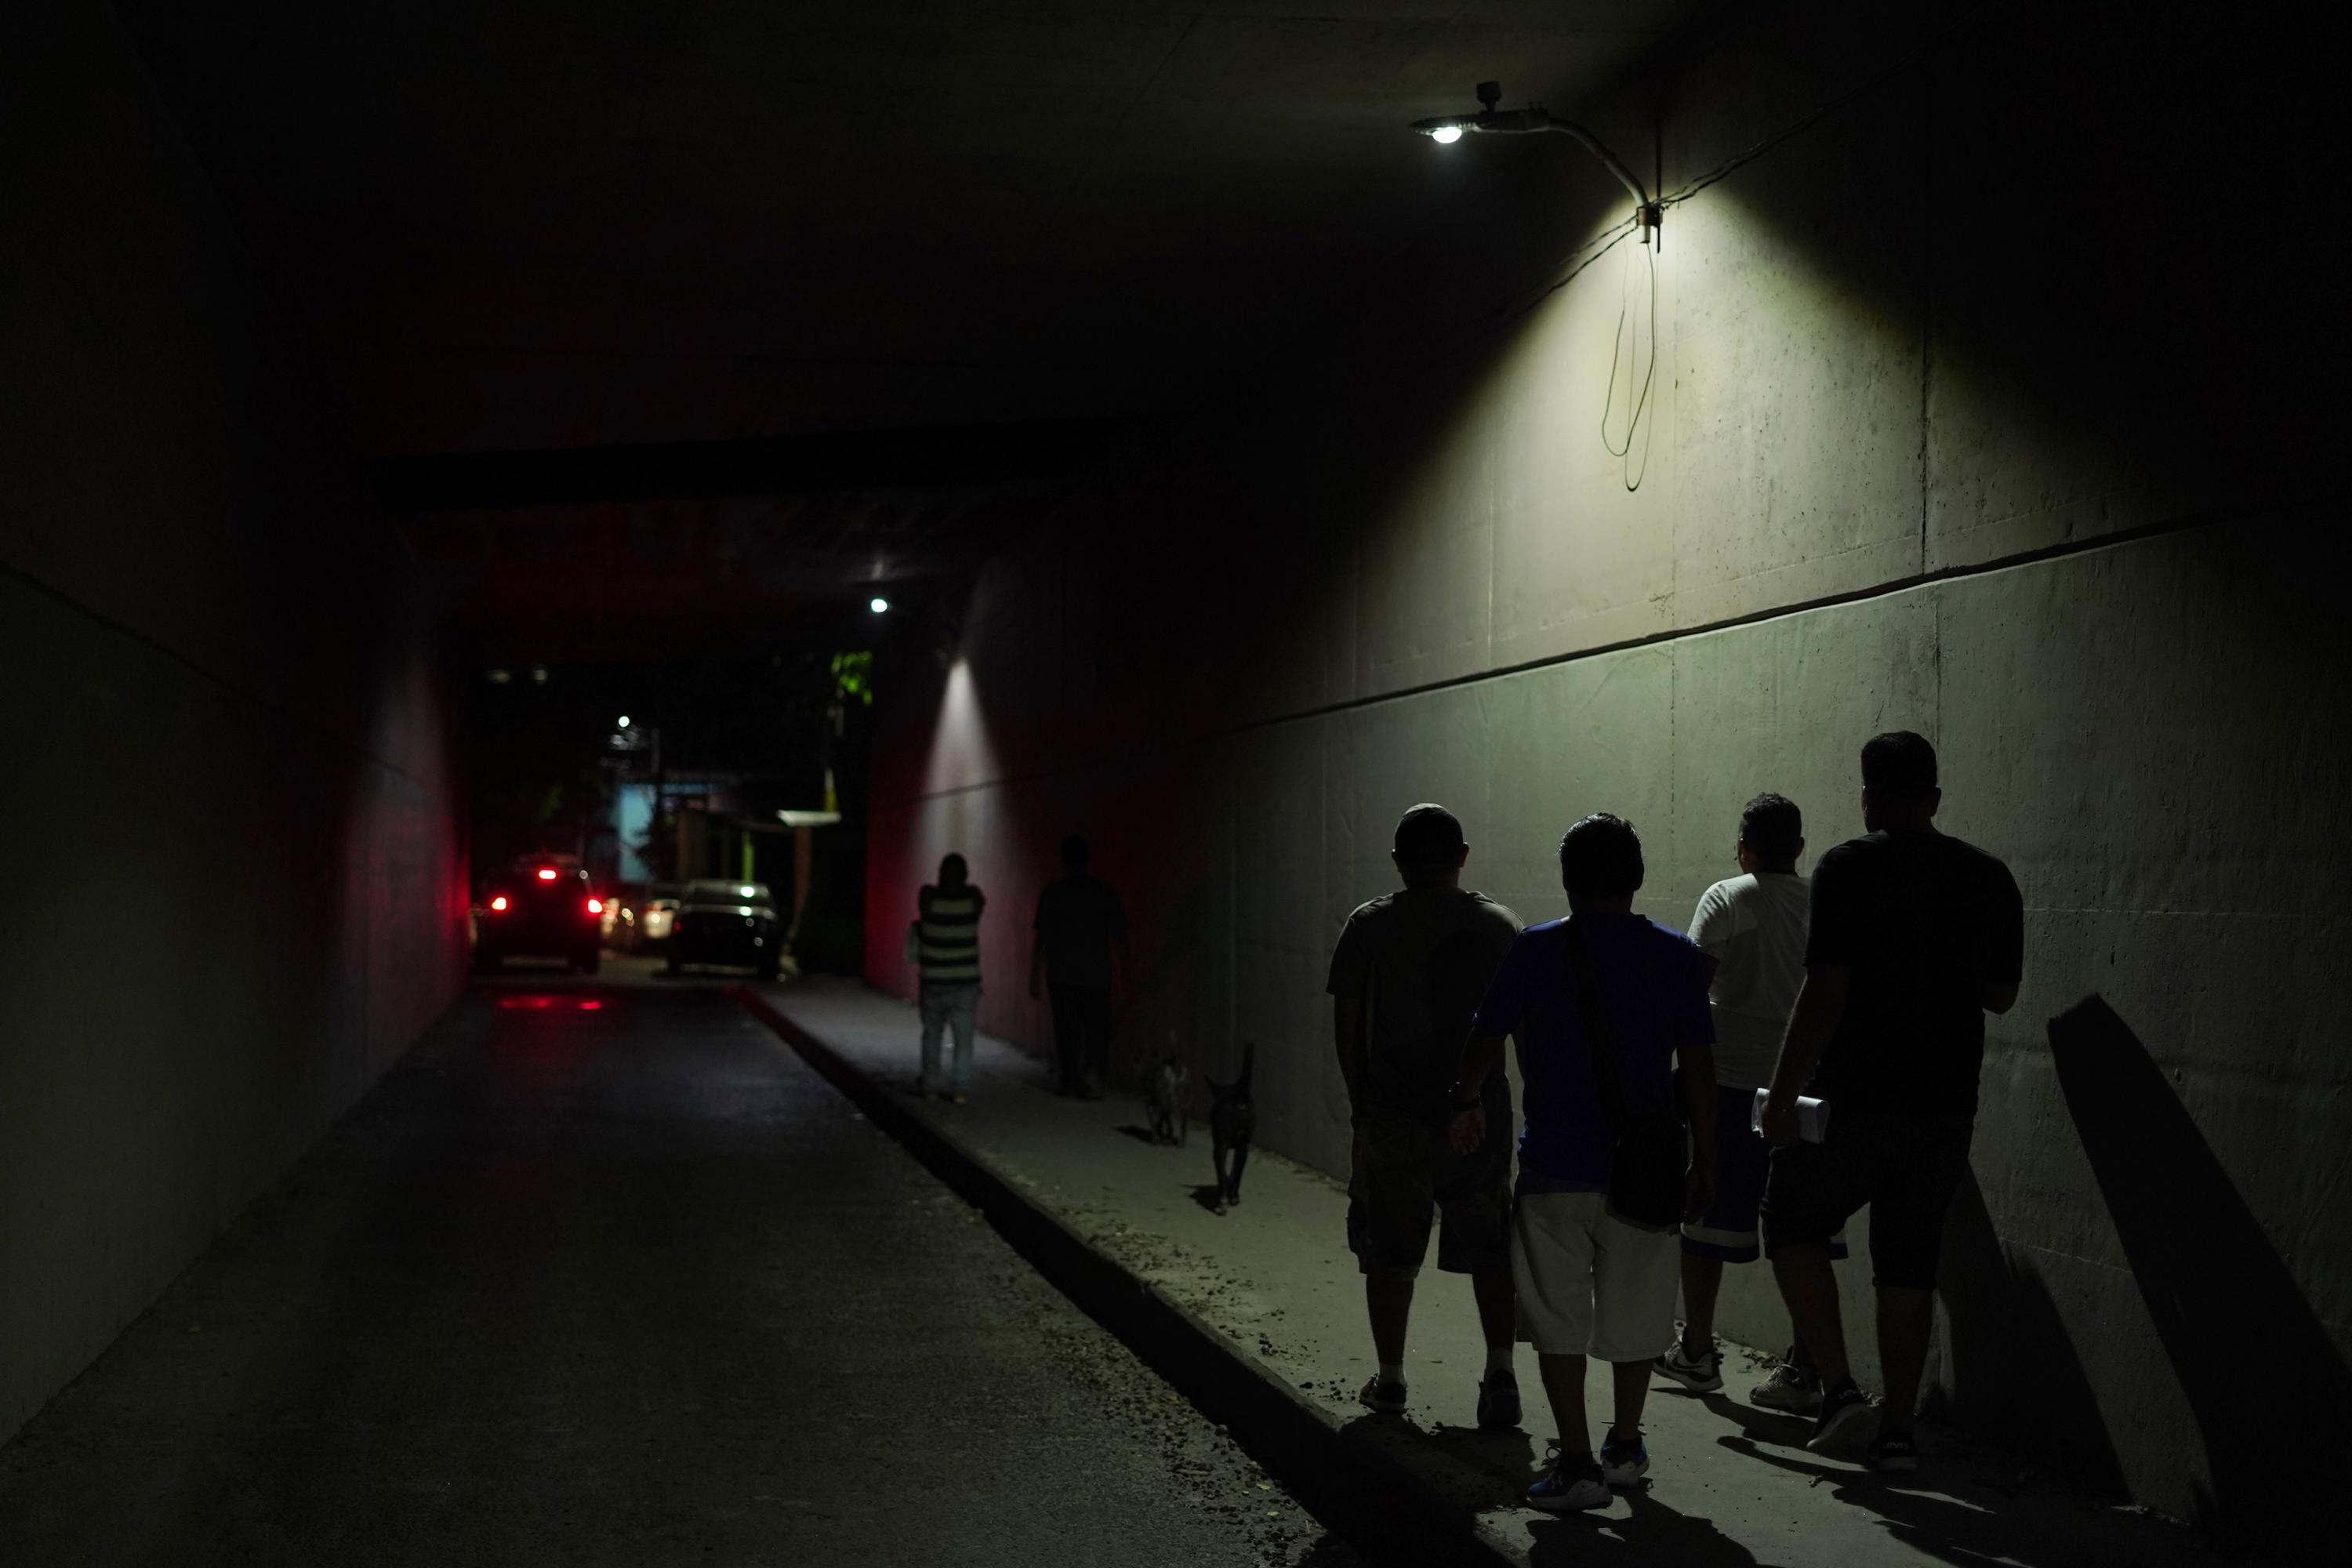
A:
x,y
877,604
1446,130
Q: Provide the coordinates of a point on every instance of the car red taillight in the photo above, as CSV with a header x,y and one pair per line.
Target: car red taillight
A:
x,y
499,902
595,906
547,873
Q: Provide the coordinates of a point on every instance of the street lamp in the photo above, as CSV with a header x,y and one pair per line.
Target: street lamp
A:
x,y
1446,130
877,604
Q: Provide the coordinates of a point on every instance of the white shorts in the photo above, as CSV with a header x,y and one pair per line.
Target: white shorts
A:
x,y
1589,1283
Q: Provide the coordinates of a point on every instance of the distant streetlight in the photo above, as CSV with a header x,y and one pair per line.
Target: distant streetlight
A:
x,y
624,721
877,604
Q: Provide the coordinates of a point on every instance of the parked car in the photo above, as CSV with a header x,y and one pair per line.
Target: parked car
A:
x,y
726,923
543,908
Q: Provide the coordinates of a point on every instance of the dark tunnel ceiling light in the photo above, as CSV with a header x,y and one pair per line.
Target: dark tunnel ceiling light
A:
x,y
877,604
1446,130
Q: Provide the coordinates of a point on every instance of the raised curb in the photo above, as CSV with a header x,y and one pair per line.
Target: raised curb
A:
x,y
1380,1504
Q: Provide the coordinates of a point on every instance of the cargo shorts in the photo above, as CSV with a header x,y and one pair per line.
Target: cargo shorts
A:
x,y
1404,1176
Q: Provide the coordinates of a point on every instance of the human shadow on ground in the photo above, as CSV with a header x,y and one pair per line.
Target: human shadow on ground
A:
x,y
1972,1534
2013,1373
1475,1470
1756,1424
1509,1456
1648,1532
2276,1447
1331,1551
1141,1134
1210,1196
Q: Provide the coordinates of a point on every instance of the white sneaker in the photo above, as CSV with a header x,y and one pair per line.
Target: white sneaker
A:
x,y
1701,1374
1788,1390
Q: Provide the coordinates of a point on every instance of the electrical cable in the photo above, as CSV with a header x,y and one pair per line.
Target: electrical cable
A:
x,y
1649,373
1513,307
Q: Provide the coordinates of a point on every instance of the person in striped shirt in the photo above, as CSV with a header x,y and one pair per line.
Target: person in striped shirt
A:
x,y
947,950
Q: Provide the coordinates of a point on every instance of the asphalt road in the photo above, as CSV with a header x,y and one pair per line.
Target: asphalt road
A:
x,y
623,1284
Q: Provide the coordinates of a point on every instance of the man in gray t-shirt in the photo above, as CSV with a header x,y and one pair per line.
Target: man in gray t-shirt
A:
x,y
1750,931
1405,981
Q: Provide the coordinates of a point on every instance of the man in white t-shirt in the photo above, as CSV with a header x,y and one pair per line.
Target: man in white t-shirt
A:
x,y
1750,932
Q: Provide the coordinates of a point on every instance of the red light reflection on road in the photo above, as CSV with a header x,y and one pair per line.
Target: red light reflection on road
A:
x,y
538,1003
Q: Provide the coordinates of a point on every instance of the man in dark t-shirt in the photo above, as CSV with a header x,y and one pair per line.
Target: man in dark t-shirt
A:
x,y
1079,923
1405,981
1914,937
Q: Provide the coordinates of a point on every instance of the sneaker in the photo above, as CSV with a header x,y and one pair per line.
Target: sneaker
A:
x,y
1701,1374
1383,1395
1788,1388
1845,1410
1624,1461
1892,1453
1498,1402
1561,1489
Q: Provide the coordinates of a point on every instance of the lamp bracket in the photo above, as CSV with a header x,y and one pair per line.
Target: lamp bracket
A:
x,y
1491,120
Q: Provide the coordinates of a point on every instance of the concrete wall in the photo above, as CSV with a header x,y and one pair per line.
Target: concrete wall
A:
x,y
1954,427
235,873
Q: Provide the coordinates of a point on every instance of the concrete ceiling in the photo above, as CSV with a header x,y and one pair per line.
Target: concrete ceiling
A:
x,y
513,225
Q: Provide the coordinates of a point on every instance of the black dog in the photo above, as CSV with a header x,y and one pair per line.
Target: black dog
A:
x,y
1232,1119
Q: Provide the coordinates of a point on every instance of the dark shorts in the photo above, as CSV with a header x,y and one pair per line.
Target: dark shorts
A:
x,y
1906,1168
1728,1229
1404,1173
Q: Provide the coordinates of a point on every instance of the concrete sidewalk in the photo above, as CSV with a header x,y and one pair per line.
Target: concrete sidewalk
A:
x,y
1272,1287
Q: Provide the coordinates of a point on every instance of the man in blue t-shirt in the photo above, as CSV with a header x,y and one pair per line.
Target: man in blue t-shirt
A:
x,y
1590,1282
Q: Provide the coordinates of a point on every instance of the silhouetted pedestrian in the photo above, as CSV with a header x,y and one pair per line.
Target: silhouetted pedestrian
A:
x,y
1079,924
947,950
1605,1004
1914,936
1405,979
1750,931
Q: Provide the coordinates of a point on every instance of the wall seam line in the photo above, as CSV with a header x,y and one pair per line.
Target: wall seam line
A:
x,y
15,574
2062,549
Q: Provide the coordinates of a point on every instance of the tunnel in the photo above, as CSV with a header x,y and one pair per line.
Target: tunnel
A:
x,y
711,707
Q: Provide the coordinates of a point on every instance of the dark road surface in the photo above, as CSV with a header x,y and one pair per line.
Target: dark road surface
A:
x,y
626,1284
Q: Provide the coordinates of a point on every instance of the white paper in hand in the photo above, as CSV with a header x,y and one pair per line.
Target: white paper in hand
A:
x,y
1813,1116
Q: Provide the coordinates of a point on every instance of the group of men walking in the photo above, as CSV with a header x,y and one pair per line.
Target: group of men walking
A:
x,y
1810,1048
1807,1050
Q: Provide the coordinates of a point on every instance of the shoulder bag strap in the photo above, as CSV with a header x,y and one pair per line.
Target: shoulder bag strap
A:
x,y
1598,1043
